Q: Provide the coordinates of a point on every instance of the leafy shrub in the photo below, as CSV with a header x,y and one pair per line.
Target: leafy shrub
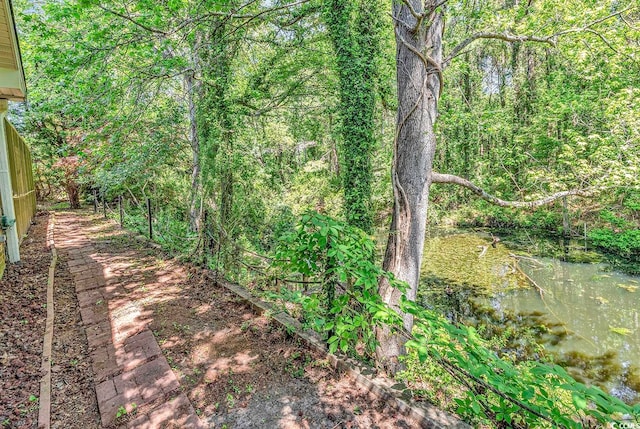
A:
x,y
626,243
621,237
169,229
484,214
347,308
528,394
344,304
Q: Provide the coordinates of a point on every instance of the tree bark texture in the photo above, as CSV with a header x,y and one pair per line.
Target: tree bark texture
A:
x,y
419,56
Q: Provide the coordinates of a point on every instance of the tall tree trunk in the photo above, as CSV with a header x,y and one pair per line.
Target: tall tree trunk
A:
x,y
194,210
354,28
418,55
73,192
217,122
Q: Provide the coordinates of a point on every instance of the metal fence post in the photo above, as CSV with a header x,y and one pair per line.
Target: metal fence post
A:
x,y
121,211
150,220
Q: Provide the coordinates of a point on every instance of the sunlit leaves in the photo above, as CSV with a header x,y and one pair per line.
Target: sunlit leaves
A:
x,y
340,258
566,116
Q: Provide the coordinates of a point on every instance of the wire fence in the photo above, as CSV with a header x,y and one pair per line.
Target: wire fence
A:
x,y
253,269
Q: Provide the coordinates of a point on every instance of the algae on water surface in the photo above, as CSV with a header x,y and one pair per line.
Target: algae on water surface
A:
x,y
470,259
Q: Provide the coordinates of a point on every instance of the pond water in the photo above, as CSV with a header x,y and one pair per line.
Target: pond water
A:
x,y
585,315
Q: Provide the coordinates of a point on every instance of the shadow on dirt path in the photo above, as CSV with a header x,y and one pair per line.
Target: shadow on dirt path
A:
x,y
171,349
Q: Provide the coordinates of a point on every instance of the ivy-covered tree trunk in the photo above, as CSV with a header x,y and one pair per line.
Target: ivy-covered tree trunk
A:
x,y
418,55
354,28
225,156
194,211
216,126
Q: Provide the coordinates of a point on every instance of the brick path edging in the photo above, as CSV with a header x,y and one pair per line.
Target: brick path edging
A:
x,y
44,401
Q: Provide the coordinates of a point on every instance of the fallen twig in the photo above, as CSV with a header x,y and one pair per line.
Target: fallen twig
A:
x,y
541,291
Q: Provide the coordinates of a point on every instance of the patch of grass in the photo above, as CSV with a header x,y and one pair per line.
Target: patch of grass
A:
x,y
60,205
245,326
429,381
122,410
293,367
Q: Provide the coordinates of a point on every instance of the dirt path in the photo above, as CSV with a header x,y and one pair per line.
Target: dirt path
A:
x,y
170,349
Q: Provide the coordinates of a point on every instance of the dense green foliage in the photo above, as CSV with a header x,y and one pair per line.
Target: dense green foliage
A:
x,y
524,120
623,238
307,107
619,237
355,29
236,117
346,304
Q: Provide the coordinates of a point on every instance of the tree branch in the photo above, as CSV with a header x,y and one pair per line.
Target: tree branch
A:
x,y
516,38
420,16
592,23
182,25
457,180
499,36
132,20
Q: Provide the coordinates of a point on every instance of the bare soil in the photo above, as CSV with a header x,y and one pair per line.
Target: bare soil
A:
x,y
23,291
73,398
238,369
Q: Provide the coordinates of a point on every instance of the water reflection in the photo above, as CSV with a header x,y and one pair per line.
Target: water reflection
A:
x,y
587,316
601,308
